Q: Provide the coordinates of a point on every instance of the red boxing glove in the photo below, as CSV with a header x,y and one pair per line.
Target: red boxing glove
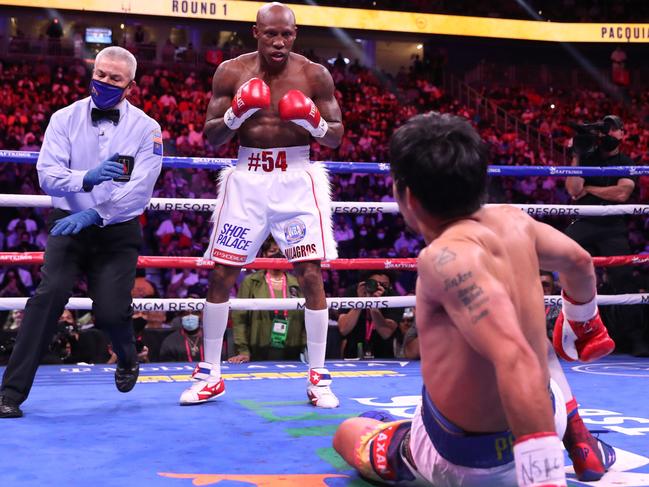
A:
x,y
538,459
579,333
300,109
253,95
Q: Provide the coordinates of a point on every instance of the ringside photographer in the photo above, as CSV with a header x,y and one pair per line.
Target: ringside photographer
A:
x,y
374,332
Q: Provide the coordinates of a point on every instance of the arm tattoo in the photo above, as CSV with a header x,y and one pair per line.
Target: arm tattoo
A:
x,y
479,316
457,280
444,258
473,298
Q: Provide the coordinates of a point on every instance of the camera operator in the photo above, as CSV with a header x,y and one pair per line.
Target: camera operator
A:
x,y
598,144
373,332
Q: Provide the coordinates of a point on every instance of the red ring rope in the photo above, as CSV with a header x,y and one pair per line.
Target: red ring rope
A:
x,y
148,261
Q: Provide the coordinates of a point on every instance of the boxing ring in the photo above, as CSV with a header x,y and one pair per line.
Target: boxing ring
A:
x,y
79,431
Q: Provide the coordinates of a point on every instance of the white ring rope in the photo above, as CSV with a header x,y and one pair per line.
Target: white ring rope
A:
x,y
237,304
185,204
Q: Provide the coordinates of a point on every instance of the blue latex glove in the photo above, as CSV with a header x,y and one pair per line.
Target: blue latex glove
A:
x,y
76,222
105,171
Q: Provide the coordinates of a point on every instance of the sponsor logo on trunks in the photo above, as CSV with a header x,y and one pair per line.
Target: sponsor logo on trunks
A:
x,y
234,237
300,251
221,254
294,231
380,453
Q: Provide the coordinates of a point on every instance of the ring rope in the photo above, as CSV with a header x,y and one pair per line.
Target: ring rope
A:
x,y
9,156
353,207
405,264
238,304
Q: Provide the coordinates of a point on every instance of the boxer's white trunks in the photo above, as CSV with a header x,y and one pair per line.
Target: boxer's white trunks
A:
x,y
274,190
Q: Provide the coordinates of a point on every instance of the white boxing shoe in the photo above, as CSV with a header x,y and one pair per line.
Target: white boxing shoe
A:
x,y
207,385
318,390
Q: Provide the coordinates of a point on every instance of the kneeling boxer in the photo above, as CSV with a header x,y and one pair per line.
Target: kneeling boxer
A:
x,y
487,412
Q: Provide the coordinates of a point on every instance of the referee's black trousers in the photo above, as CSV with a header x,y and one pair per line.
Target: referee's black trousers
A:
x,y
108,257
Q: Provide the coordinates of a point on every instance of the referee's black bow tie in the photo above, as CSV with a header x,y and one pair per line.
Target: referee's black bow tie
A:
x,y
96,114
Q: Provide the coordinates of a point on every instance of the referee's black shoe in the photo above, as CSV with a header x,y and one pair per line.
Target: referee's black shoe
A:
x,y
126,377
9,408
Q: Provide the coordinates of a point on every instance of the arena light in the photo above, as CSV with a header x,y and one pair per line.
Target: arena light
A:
x,y
333,60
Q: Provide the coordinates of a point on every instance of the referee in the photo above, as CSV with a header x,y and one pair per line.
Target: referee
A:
x,y
99,161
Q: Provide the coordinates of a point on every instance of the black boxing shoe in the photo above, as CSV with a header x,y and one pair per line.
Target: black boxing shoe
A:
x,y
9,408
126,377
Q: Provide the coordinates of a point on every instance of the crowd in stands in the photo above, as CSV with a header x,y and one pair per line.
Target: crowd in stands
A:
x,y
373,104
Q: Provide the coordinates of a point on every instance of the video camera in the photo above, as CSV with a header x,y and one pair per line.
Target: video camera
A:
x,y
590,137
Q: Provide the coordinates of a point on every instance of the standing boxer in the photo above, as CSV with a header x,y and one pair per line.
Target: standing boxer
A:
x,y
276,101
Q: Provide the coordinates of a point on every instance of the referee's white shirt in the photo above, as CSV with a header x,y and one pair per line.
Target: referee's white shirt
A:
x,y
73,144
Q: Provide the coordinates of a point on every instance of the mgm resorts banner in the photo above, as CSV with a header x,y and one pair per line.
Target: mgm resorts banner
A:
x,y
352,18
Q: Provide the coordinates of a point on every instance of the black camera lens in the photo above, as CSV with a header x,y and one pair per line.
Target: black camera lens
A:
x,y
371,285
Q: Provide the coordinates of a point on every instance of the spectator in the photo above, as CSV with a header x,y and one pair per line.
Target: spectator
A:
x,y
143,288
181,282
24,216
619,73
139,35
408,328
14,320
24,244
551,311
268,335
54,29
12,286
373,332
186,343
175,229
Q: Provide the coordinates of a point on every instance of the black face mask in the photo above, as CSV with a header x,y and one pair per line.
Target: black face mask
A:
x,y
609,143
138,324
276,255
65,327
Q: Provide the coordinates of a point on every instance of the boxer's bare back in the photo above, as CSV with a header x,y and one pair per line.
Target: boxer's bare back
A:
x,y
486,271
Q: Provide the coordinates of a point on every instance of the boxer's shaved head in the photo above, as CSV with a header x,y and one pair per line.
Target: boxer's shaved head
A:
x,y
275,32
274,12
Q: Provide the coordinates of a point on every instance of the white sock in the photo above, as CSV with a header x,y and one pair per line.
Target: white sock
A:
x,y
556,372
215,321
316,322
